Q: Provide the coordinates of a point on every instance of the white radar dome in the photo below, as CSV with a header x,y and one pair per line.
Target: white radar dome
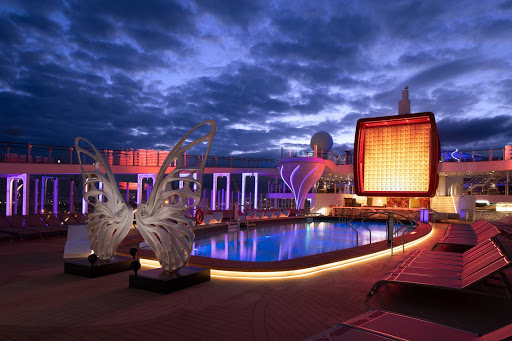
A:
x,y
322,140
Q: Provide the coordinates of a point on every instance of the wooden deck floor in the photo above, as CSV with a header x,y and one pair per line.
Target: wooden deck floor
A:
x,y
39,302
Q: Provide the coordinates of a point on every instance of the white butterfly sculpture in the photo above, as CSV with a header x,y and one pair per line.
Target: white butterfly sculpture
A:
x,y
161,220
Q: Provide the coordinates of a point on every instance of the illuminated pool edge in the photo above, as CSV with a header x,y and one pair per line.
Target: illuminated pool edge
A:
x,y
282,274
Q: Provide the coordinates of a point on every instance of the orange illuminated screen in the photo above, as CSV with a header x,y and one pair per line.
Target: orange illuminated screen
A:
x,y
397,158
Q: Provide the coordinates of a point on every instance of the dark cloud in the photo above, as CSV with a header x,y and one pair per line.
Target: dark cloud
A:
x,y
480,133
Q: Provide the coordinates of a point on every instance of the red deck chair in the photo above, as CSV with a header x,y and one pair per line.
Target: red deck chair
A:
x,y
473,273
384,325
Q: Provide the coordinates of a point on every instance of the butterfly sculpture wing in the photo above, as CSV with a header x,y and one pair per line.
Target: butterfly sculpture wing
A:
x,y
112,218
161,220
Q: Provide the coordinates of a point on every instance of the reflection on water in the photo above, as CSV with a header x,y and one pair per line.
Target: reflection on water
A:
x,y
285,241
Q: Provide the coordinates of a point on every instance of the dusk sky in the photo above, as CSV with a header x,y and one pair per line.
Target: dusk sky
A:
x,y
139,74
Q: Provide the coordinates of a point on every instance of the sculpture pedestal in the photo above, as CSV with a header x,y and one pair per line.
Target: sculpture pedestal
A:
x,y
82,267
165,282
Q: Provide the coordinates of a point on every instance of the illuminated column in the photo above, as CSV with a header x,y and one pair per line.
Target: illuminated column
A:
x,y
100,187
85,204
214,192
15,186
8,196
140,177
255,191
244,183
243,192
227,192
71,190
36,194
55,195
11,189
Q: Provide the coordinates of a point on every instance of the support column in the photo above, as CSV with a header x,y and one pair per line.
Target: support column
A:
x,y
127,191
85,204
243,192
71,195
15,186
226,194
244,182
140,177
12,188
36,195
55,195
255,191
214,192
228,191
8,196
26,191
44,179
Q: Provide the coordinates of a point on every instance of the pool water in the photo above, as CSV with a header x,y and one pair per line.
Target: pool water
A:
x,y
285,241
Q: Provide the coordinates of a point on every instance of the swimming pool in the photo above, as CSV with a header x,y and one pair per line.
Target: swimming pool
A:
x,y
285,241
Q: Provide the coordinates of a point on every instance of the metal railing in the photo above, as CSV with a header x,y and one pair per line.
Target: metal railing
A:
x,y
13,152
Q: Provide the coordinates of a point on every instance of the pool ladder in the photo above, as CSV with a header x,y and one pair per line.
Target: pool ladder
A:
x,y
395,229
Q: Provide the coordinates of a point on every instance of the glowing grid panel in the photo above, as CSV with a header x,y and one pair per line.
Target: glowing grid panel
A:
x,y
396,158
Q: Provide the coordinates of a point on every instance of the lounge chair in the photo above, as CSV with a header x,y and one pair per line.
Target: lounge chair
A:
x,y
54,223
269,215
69,219
470,275
17,226
81,218
36,222
284,214
384,325
259,215
480,231
214,218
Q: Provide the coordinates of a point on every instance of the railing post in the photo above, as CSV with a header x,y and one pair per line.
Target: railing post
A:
x,y
29,147
50,154
70,155
490,154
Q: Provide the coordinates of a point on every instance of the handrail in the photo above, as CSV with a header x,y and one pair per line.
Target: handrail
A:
x,y
16,152
357,233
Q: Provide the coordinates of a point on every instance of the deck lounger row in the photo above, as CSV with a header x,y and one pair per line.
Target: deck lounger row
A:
x,y
455,273
384,325
479,231
39,225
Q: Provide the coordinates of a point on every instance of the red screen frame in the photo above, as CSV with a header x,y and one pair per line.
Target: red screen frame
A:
x,y
434,154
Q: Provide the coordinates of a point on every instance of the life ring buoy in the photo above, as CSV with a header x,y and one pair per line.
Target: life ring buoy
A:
x,y
199,216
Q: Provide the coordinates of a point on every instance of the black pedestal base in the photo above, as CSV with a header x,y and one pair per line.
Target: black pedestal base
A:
x,y
82,267
165,282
